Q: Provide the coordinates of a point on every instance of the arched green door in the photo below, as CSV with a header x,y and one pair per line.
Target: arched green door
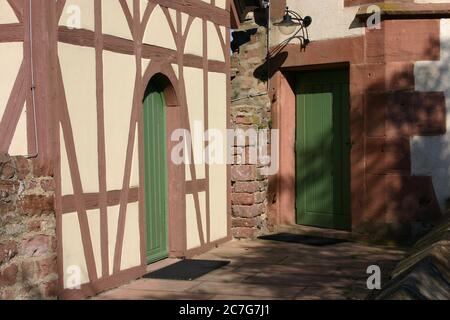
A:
x,y
155,175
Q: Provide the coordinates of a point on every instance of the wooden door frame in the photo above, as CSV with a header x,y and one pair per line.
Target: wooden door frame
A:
x,y
284,118
164,77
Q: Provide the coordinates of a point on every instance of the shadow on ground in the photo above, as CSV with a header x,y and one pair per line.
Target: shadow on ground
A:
x,y
267,269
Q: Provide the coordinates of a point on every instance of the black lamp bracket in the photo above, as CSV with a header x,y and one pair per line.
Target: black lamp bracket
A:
x,y
295,17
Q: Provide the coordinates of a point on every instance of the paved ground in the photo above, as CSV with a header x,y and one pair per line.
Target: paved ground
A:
x,y
264,269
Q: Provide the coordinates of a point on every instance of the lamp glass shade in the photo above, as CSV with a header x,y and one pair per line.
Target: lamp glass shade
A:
x,y
287,29
287,26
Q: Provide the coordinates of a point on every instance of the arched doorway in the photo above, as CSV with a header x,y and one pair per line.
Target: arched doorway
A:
x,y
161,90
156,173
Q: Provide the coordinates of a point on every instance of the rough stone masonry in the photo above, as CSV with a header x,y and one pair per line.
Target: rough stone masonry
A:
x,y
28,268
250,110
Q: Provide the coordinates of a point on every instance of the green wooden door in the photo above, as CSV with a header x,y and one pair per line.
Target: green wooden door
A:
x,y
155,175
323,149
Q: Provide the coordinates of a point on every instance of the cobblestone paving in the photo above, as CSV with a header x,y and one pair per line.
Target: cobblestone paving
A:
x,y
264,269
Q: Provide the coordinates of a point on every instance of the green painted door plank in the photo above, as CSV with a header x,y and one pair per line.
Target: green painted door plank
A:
x,y
156,186
323,149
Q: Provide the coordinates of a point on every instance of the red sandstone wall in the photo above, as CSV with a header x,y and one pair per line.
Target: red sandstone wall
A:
x,y
383,90
386,111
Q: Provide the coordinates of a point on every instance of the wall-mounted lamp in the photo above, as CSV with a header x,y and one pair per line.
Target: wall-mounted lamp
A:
x,y
294,22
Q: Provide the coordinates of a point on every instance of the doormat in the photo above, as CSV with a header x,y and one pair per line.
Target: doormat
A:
x,y
186,270
302,239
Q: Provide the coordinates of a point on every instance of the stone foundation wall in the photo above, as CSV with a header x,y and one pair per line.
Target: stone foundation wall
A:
x,y
28,268
250,110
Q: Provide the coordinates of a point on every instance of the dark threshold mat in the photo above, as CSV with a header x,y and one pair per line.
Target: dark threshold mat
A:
x,y
187,270
303,239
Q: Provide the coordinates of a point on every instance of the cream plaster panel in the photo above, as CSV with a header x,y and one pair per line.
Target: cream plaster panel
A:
x,y
130,5
173,16
184,20
19,143
192,231
73,254
144,4
218,179
194,93
66,177
131,251
114,20
113,222
330,20
430,156
224,31
202,200
86,10
222,4
94,228
78,72
11,55
176,70
158,31
119,80
215,51
187,171
6,13
218,201
192,235
145,63
134,179
194,42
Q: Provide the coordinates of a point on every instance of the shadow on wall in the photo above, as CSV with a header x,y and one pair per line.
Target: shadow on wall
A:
x,y
242,37
270,67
